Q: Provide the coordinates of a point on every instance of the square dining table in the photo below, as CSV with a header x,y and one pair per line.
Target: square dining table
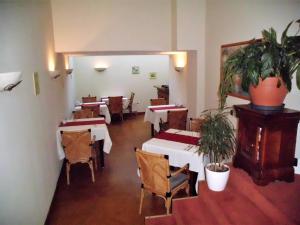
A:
x,y
98,129
103,109
156,113
181,147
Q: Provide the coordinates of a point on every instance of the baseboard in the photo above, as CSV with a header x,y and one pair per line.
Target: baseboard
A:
x,y
157,216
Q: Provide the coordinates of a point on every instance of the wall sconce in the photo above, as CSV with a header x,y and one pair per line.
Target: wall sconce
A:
x,y
54,74
9,80
68,71
180,60
179,68
100,69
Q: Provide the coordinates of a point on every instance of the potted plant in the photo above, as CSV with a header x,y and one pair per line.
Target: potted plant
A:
x,y
218,143
266,68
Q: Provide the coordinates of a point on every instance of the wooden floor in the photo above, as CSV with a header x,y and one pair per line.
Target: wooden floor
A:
x,y
114,198
241,203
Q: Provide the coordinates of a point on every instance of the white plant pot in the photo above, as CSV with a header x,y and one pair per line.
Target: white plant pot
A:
x,y
216,181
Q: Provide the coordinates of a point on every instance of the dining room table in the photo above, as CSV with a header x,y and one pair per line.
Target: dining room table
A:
x,y
103,109
99,131
181,147
157,113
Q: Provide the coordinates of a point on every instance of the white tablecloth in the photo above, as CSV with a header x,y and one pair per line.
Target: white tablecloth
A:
x,y
179,153
155,116
99,130
103,109
125,101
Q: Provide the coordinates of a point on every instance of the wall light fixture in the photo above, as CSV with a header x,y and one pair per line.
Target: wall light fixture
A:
x,y
9,80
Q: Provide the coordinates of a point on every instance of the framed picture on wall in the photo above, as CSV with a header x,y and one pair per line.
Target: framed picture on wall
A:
x,y
226,51
135,70
152,75
36,83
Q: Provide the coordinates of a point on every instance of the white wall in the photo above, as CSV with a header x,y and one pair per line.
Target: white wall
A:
x,y
111,25
29,166
190,32
233,21
183,85
118,79
191,36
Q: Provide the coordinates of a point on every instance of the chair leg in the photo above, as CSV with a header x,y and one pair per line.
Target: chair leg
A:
x,y
168,204
68,172
92,170
141,200
95,159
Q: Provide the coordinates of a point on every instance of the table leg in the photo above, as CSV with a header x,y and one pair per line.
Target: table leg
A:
x,y
152,130
101,153
192,182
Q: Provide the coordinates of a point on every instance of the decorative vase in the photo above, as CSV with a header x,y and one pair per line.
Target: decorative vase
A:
x,y
216,181
267,95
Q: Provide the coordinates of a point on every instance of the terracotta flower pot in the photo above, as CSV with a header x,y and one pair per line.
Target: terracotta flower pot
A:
x,y
267,94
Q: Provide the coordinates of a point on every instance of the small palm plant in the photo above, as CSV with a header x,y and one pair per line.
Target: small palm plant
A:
x,y
217,138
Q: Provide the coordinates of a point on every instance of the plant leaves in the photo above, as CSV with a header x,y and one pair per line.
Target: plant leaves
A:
x,y
284,36
298,77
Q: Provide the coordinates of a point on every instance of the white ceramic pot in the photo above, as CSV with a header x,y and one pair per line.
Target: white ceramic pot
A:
x,y
216,181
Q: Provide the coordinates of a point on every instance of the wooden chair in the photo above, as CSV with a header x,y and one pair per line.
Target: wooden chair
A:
x,y
78,148
95,109
89,99
156,177
195,124
115,106
129,107
177,119
83,113
158,101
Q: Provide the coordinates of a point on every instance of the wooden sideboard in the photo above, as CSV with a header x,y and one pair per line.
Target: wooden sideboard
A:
x,y
163,92
266,143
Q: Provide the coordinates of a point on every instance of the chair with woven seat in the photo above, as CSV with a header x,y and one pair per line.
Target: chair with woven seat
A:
x,y
177,119
78,148
115,106
130,103
195,124
89,99
156,177
83,113
94,108
158,101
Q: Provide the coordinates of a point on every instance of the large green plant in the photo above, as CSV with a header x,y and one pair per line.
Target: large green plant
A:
x,y
217,136
261,59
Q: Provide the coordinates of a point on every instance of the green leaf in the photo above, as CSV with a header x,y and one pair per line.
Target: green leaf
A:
x,y
298,77
284,36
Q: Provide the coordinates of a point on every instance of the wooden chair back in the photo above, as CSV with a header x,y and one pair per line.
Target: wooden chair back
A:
x,y
115,104
195,124
77,146
89,99
95,109
177,119
154,172
83,113
158,101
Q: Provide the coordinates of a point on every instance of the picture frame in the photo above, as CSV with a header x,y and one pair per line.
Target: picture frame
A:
x,y
152,75
226,51
36,83
135,70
